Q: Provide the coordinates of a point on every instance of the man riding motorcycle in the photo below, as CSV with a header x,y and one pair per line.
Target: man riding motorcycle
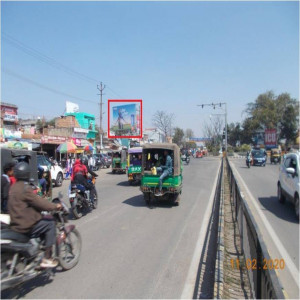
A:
x,y
25,208
79,175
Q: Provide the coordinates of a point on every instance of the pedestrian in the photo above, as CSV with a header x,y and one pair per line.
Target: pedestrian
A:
x,y
6,182
69,166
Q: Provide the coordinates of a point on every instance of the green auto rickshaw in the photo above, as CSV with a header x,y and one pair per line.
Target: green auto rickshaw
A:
x,y
119,161
134,164
153,157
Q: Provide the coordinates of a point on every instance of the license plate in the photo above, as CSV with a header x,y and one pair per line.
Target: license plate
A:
x,y
72,195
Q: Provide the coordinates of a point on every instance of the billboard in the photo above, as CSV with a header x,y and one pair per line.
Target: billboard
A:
x,y
71,107
270,137
9,114
125,119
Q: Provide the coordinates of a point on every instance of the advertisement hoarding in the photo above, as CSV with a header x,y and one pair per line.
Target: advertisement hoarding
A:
x,y
71,107
125,119
270,137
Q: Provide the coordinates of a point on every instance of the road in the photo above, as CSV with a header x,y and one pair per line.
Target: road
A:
x,y
130,250
261,183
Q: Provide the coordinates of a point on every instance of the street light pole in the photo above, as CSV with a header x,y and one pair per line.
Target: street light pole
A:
x,y
214,105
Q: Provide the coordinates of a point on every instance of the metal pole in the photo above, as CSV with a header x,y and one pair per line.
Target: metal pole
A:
x,y
101,113
225,128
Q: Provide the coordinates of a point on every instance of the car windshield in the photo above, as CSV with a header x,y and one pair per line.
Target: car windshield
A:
x,y
258,154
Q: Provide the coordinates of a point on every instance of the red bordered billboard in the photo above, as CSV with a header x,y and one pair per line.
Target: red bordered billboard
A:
x,y
125,118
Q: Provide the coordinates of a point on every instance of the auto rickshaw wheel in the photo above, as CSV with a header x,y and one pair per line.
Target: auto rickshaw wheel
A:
x,y
147,198
175,198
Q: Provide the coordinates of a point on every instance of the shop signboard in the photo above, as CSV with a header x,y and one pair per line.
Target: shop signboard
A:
x,y
76,141
9,114
50,139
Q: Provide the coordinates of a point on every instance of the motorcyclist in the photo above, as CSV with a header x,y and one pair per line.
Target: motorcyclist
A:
x,y
249,156
25,208
80,173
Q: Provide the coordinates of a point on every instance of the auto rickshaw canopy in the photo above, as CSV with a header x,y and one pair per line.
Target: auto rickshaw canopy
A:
x,y
176,156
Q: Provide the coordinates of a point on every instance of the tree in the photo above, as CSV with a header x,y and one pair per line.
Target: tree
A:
x,y
234,133
50,122
39,126
178,136
189,133
272,112
190,145
213,131
163,121
289,125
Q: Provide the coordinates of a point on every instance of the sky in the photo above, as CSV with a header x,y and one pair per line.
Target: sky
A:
x,y
172,55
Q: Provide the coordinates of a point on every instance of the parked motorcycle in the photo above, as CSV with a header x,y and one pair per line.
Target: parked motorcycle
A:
x,y
80,199
21,256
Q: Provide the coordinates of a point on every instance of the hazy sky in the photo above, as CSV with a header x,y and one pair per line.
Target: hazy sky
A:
x,y
173,55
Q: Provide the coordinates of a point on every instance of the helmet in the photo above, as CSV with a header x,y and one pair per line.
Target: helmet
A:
x,y
22,171
84,160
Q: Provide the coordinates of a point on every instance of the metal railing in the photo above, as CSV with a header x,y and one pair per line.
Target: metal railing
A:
x,y
264,281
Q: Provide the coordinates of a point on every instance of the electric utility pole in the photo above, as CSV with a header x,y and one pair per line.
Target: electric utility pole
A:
x,y
214,105
101,88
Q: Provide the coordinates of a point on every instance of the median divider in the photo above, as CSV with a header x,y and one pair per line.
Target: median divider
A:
x,y
219,265
264,281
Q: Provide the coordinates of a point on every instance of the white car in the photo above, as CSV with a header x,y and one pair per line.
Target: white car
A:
x,y
57,173
288,185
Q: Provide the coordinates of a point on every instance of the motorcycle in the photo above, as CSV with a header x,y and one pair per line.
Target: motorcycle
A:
x,y
80,199
248,161
187,160
21,256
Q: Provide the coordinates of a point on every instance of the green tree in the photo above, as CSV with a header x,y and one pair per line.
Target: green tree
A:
x,y
269,111
234,133
178,136
50,122
190,145
289,125
39,126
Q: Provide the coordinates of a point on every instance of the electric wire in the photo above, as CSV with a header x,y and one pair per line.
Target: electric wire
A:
x,y
11,73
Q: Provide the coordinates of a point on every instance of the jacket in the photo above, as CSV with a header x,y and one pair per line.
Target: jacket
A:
x,y
25,207
78,167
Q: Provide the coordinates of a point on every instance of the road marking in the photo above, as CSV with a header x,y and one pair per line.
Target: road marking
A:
x,y
190,282
284,254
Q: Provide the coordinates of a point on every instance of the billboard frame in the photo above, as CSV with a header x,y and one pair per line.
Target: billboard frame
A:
x,y
129,101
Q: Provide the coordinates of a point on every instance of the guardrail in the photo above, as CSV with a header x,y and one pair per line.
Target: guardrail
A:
x,y
263,280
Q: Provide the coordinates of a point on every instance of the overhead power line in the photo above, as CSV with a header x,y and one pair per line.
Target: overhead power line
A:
x,y
44,58
49,60
11,73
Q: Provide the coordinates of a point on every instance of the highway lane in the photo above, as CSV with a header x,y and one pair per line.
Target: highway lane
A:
x,y
130,250
262,184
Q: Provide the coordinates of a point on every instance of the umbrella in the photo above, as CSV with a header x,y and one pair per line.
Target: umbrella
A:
x,y
66,147
88,148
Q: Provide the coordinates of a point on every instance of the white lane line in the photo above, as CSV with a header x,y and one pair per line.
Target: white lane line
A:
x,y
271,233
189,286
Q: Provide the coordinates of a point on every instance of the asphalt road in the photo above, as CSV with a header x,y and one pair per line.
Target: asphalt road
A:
x,y
130,250
262,184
